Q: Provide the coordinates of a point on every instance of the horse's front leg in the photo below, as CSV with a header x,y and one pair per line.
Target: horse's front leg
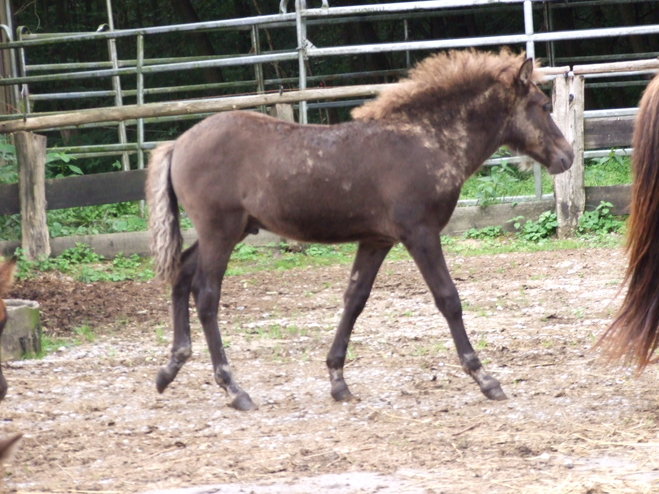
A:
x,y
206,289
367,263
182,346
426,250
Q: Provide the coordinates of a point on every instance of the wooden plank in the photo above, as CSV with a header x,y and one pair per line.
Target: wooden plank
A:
x,y
478,217
462,220
608,132
92,190
618,195
86,190
626,66
10,202
568,98
129,112
31,159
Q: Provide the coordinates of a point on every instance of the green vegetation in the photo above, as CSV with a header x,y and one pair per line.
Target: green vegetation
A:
x,y
600,221
609,170
491,183
534,231
83,264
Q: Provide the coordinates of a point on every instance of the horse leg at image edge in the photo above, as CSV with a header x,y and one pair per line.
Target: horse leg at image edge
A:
x,y
365,267
206,289
182,346
3,382
426,250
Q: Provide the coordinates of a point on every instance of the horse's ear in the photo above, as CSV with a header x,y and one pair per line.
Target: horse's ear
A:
x,y
525,71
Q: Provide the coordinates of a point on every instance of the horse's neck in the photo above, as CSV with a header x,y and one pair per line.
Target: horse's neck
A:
x,y
474,132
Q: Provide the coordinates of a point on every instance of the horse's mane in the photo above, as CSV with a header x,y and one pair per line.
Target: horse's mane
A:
x,y
444,73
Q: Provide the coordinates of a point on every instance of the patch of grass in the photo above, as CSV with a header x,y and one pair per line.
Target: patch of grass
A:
x,y
161,339
608,170
49,345
84,332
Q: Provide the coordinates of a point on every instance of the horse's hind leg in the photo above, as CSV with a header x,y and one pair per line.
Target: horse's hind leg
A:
x,y
206,288
426,250
367,263
182,347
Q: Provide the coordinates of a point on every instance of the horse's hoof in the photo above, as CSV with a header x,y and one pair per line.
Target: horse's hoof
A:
x,y
343,394
163,379
495,393
243,403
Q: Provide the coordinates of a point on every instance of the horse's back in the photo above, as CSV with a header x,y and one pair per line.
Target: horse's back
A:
x,y
310,182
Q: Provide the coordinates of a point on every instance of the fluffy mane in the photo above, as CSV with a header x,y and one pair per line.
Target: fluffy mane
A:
x,y
443,73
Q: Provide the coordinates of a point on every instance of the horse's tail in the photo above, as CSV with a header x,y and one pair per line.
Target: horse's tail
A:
x,y
6,275
165,237
634,333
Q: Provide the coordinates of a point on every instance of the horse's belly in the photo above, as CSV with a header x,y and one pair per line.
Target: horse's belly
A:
x,y
325,225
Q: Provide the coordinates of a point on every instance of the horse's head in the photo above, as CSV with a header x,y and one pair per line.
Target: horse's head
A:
x,y
531,130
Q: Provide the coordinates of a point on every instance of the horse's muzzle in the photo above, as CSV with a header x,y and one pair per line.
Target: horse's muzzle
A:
x,y
562,162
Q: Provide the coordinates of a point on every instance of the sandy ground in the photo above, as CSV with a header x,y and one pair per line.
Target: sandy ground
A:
x,y
93,420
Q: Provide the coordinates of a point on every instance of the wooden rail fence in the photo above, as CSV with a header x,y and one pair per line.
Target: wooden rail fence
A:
x,y
570,196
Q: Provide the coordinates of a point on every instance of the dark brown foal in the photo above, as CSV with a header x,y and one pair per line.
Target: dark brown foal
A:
x,y
392,175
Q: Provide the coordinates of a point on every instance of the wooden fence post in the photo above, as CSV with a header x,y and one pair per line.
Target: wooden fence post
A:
x,y
569,188
31,158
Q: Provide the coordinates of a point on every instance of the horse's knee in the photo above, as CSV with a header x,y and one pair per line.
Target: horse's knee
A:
x,y
449,304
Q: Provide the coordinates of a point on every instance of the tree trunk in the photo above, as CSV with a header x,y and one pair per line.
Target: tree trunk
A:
x,y
201,41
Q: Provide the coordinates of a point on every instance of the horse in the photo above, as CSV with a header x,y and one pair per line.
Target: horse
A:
x,y
633,336
392,174
7,449
6,277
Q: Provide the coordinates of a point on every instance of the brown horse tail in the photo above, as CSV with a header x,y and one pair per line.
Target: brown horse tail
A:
x,y
165,237
634,333
6,275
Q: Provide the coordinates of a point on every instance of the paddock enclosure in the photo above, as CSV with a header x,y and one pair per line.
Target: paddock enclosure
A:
x,y
93,420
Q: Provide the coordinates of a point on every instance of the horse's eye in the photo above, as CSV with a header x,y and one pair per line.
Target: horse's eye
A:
x,y
546,107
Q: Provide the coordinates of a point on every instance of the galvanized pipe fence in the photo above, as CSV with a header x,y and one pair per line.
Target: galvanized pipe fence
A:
x,y
115,68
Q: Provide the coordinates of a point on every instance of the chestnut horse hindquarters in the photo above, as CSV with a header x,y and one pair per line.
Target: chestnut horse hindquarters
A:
x,y
634,333
6,278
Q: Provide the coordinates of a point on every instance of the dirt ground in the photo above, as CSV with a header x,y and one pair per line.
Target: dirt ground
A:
x,y
93,420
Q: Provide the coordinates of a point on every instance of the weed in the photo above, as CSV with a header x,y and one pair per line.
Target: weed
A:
x,y
608,170
600,221
534,231
160,336
481,344
84,332
494,182
484,233
85,265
